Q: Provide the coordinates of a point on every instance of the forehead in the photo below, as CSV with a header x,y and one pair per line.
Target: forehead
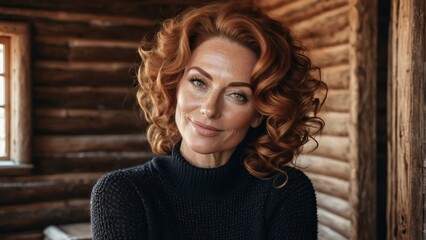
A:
x,y
221,54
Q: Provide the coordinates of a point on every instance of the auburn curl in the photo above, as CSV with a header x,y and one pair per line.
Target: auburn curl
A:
x,y
286,92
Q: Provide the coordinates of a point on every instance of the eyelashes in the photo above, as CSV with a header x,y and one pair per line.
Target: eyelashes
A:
x,y
200,84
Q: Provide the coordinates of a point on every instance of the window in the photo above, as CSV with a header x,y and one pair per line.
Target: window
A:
x,y
4,97
15,99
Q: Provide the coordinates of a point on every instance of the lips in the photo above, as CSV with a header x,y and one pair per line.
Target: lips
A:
x,y
205,130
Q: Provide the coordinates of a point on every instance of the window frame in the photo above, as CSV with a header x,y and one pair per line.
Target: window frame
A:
x,y
6,41
20,95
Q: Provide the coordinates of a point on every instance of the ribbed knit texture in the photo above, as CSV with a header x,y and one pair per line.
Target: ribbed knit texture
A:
x,y
168,198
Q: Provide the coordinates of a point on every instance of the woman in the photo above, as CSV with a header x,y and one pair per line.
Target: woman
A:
x,y
230,102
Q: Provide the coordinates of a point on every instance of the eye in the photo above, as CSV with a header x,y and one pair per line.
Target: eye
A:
x,y
239,97
198,83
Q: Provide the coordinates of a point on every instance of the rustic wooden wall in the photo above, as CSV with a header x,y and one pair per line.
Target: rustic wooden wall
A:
x,y
85,122
340,36
406,94
85,117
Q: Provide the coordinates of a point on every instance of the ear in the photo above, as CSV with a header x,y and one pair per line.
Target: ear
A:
x,y
257,120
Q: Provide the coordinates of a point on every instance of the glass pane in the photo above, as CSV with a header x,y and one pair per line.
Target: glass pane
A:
x,y
2,132
2,59
2,92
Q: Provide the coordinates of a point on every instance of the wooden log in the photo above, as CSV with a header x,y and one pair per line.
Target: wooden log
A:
x,y
36,188
83,121
89,161
151,9
297,11
334,38
23,235
335,222
327,233
336,123
40,215
406,118
334,205
330,56
362,130
77,42
330,186
330,21
84,97
88,31
12,168
338,100
94,19
58,76
93,66
336,77
59,52
324,166
90,143
271,4
329,146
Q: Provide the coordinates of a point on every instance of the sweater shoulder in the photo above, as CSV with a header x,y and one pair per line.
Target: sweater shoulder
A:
x,y
127,179
298,189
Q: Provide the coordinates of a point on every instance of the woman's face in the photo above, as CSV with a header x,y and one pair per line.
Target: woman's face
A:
x,y
215,104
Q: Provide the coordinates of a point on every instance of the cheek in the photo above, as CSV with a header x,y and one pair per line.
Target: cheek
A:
x,y
186,102
240,119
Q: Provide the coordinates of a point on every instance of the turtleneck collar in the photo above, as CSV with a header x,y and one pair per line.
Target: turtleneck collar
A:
x,y
203,183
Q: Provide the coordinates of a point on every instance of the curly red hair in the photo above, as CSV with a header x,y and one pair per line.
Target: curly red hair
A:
x,y
285,90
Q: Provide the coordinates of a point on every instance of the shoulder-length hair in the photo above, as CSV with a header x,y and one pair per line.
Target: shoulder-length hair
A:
x,y
285,90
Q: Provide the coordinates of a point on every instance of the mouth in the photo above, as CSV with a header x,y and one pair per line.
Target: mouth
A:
x,y
205,130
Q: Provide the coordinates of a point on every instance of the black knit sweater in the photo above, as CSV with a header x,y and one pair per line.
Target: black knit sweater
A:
x,y
168,198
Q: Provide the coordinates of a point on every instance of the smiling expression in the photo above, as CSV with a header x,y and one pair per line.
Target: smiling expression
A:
x,y
215,105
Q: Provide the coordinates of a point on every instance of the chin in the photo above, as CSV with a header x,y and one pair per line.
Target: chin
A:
x,y
203,148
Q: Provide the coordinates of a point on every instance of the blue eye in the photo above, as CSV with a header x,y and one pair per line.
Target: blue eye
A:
x,y
239,97
198,82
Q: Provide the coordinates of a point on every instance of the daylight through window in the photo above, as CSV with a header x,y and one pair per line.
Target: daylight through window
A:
x,y
4,79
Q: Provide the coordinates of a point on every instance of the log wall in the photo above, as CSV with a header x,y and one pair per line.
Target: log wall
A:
x,y
86,122
406,104
342,43
85,117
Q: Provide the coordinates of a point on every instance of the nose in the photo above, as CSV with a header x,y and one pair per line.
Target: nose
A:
x,y
209,107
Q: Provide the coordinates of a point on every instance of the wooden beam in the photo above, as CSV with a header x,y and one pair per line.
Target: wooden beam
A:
x,y
334,38
330,56
362,127
334,204
335,222
79,65
90,143
84,97
325,232
406,129
87,121
324,166
330,21
94,19
48,75
338,100
336,123
337,76
37,188
334,147
39,215
89,161
330,186
298,11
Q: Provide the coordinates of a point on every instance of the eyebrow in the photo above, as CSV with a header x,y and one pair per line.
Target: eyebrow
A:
x,y
232,84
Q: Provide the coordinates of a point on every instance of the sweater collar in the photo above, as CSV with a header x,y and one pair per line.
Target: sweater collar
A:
x,y
204,183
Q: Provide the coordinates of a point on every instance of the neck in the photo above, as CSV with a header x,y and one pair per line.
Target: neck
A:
x,y
210,160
